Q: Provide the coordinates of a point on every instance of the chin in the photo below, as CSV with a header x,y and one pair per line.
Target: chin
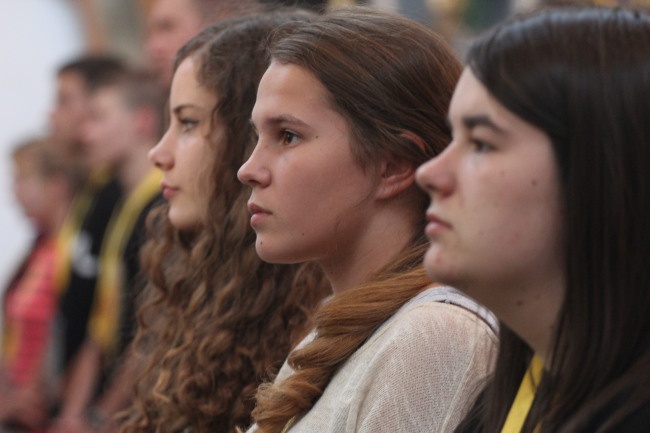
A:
x,y
271,255
437,269
183,222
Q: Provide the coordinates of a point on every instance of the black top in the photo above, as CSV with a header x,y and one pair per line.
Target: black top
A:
x,y
135,280
77,298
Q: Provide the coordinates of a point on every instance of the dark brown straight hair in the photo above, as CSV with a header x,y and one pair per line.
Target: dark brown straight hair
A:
x,y
582,75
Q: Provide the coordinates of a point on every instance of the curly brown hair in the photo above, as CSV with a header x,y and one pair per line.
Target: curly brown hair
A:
x,y
392,80
216,319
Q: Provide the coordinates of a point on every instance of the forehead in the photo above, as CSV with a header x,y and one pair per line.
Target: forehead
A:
x,y
108,96
184,79
186,89
163,11
471,97
71,81
293,86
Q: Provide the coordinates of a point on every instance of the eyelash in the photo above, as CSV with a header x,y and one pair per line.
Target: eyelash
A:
x,y
187,124
481,146
288,136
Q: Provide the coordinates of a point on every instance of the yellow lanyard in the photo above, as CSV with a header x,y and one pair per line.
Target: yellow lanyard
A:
x,y
524,399
72,224
105,316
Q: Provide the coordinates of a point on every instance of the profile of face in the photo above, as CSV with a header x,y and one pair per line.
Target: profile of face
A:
x,y
310,198
170,24
70,107
110,130
495,219
33,192
184,152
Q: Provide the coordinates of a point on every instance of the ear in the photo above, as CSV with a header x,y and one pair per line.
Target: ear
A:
x,y
398,175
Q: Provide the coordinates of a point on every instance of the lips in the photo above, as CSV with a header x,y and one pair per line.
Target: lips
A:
x,y
168,191
258,214
435,225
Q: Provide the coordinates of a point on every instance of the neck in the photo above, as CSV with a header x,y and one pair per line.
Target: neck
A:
x,y
531,311
56,217
379,240
134,168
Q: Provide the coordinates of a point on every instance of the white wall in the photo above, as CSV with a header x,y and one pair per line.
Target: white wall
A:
x,y
36,36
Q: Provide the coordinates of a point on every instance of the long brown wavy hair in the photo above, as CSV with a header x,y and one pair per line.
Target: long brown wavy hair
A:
x,y
216,319
392,80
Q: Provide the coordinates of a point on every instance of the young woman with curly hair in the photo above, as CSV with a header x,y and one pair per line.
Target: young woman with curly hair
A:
x,y
350,105
551,149
217,319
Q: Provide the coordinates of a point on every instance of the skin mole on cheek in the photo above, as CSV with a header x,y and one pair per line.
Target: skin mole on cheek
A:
x,y
520,303
533,182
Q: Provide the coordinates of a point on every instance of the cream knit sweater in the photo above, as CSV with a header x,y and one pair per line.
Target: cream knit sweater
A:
x,y
419,372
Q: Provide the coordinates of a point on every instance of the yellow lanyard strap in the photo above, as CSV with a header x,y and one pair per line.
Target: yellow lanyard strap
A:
x,y
524,399
103,324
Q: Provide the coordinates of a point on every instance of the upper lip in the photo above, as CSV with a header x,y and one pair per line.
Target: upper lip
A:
x,y
432,217
254,208
165,185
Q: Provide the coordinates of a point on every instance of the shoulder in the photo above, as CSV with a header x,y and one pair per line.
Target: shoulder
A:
x,y
429,343
431,356
435,320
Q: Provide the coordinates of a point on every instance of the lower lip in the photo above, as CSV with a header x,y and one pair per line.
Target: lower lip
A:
x,y
434,228
258,218
168,193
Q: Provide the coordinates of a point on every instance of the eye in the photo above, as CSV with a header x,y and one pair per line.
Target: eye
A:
x,y
289,137
187,124
481,146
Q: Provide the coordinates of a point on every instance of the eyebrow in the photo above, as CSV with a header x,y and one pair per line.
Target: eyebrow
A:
x,y
282,118
182,107
472,122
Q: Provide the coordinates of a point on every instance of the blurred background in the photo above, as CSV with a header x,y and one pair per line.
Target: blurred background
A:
x,y
37,36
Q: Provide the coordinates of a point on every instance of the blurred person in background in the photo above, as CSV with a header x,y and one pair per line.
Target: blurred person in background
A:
x,y
125,121
171,23
84,228
44,183
74,82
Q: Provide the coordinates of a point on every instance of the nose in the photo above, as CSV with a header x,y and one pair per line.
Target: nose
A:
x,y
87,132
436,176
161,155
254,172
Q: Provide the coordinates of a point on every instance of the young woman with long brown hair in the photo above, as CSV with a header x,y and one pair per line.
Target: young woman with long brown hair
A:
x,y
351,104
218,319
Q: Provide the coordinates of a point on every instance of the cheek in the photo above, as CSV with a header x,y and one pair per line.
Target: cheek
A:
x,y
523,219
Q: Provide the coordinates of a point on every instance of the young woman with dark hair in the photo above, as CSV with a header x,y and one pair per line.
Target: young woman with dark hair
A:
x,y
351,104
539,211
